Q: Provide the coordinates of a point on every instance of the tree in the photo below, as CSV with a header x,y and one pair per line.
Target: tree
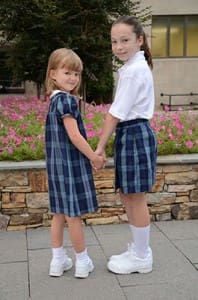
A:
x,y
34,28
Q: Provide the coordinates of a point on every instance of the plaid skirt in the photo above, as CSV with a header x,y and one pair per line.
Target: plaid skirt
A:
x,y
135,156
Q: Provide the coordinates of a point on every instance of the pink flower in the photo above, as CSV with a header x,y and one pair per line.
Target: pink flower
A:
x,y
23,126
28,139
6,140
172,137
15,116
89,126
90,116
189,144
159,142
166,108
189,131
10,150
91,134
18,140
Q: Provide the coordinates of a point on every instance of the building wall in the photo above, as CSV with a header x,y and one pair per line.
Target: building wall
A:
x,y
174,75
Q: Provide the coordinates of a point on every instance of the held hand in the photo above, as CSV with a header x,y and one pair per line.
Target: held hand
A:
x,y
103,154
98,162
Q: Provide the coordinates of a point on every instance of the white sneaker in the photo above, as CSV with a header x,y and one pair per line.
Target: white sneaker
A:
x,y
57,269
128,263
130,246
83,269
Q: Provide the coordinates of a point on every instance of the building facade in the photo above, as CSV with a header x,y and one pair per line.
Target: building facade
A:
x,y
173,38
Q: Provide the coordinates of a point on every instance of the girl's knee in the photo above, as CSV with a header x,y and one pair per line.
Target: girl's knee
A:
x,y
72,220
58,217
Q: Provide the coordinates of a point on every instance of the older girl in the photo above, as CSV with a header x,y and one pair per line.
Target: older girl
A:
x,y
135,144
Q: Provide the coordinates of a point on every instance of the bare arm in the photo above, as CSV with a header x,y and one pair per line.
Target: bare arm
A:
x,y
80,143
108,129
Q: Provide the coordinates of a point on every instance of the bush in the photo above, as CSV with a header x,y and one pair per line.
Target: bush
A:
x,y
22,124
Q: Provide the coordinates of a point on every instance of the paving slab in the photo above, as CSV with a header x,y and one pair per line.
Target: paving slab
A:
x,y
13,246
39,238
179,229
189,248
14,281
100,285
25,257
170,291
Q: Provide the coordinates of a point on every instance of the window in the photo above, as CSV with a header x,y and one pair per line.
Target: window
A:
x,y
175,36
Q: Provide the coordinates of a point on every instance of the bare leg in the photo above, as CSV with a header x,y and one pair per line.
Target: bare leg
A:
x,y
76,233
60,261
138,258
57,228
139,220
136,209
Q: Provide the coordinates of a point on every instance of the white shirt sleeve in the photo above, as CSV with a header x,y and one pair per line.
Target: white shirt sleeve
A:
x,y
127,92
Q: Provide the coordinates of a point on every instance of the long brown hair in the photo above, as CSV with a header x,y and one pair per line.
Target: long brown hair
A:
x,y
61,58
139,31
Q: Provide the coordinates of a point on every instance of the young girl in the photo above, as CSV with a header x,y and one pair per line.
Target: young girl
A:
x,y
135,144
69,158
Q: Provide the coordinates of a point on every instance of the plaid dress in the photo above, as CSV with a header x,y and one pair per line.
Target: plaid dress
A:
x,y
70,180
135,156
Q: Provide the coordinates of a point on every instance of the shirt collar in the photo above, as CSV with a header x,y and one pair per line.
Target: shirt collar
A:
x,y
137,56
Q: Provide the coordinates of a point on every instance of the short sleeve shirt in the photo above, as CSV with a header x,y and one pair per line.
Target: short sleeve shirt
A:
x,y
134,97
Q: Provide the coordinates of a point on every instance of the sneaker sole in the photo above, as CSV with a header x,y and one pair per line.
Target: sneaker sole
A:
x,y
58,274
116,271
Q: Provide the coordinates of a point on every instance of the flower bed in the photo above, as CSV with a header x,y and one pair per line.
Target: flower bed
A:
x,y
22,124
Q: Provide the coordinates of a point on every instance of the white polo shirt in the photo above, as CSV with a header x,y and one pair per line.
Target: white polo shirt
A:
x,y
134,97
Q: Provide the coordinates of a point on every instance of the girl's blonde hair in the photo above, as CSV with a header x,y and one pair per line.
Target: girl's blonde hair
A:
x,y
61,58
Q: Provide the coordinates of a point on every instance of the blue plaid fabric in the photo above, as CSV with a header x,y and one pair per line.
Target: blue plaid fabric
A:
x,y
70,179
135,156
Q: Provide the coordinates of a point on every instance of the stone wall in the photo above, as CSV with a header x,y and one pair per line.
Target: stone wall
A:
x,y
24,196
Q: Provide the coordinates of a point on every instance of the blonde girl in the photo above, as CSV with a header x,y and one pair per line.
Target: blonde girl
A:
x,y
69,160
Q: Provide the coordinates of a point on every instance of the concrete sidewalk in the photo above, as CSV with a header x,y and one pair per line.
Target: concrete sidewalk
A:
x,y
25,258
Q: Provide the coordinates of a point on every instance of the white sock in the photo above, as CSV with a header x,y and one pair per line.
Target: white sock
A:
x,y
82,256
141,237
58,253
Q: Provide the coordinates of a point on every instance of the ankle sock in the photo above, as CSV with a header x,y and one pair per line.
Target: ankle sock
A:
x,y
82,257
141,237
58,254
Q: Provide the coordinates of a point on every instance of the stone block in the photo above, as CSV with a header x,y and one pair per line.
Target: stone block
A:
x,y
185,211
181,188
182,199
177,168
14,178
104,184
38,181
163,217
161,198
25,219
159,209
4,220
194,195
181,178
37,200
13,205
103,221
12,211
106,173
158,186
